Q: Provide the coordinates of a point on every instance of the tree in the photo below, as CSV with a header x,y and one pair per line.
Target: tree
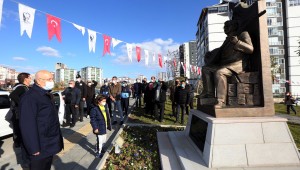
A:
x,y
298,51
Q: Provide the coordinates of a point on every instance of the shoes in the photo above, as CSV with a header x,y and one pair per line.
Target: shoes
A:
x,y
65,124
72,125
121,123
115,122
99,155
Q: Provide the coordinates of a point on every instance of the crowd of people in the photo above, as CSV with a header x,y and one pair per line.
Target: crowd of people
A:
x,y
36,124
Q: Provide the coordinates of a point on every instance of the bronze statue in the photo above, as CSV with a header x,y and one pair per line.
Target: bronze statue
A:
x,y
224,62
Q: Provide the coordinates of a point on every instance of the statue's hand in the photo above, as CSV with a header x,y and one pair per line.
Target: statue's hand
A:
x,y
234,39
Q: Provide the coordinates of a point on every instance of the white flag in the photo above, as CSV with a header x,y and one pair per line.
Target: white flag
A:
x,y
80,28
146,57
129,51
1,5
153,56
26,15
92,40
115,42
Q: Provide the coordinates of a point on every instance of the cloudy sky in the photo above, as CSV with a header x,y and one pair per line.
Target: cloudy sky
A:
x,y
156,25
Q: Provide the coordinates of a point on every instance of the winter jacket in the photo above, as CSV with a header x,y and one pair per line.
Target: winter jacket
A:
x,y
91,90
104,90
125,92
160,94
289,100
97,120
82,87
115,91
72,95
181,95
137,88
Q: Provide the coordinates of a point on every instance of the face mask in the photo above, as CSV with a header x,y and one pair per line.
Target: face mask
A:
x,y
49,85
102,103
124,85
89,84
182,85
71,86
114,81
106,84
138,81
78,80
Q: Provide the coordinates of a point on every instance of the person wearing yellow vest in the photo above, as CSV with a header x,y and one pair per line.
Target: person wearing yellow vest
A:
x,y
100,122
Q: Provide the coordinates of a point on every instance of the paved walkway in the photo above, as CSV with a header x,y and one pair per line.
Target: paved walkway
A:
x,y
78,153
291,118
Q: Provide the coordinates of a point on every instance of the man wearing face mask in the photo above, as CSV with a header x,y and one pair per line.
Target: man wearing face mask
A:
x,y
150,93
125,94
115,97
137,88
83,89
104,90
39,122
181,95
72,97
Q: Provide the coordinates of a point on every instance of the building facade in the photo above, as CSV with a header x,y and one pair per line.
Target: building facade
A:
x,y
8,77
188,56
292,16
64,75
92,73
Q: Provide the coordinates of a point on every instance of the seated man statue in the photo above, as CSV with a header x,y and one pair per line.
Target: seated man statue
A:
x,y
224,62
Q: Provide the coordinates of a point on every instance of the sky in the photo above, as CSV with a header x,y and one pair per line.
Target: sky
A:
x,y
156,25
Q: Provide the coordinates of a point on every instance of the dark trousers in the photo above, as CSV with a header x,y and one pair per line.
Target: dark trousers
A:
x,y
138,101
125,104
288,107
108,101
180,107
89,102
161,107
16,130
174,107
149,107
71,110
41,164
81,109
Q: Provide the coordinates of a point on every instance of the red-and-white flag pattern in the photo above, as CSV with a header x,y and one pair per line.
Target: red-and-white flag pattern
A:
x,y
160,62
174,62
199,71
138,53
106,41
54,27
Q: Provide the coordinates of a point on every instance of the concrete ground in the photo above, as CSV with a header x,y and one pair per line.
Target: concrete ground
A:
x,y
78,153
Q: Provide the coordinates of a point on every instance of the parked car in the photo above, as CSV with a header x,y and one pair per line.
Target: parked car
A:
x,y
60,105
5,126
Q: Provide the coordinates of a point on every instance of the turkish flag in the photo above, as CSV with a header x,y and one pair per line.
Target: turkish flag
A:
x,y
54,27
107,40
174,62
160,60
138,53
199,71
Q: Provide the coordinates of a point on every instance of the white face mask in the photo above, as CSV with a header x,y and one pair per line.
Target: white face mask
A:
x,y
89,84
49,85
114,81
102,103
78,79
106,84
138,81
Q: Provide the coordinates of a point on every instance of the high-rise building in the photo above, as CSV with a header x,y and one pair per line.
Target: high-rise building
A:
x,y
64,75
92,73
162,76
8,76
188,55
60,65
292,17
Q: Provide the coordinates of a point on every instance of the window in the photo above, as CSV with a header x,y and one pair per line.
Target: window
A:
x,y
281,61
294,2
223,9
213,10
4,102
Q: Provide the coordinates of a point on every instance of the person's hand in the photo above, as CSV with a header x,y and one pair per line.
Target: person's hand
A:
x,y
36,154
234,39
76,106
83,99
96,131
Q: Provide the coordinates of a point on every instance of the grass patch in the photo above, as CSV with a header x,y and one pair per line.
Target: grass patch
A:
x,y
294,128
140,150
138,116
281,108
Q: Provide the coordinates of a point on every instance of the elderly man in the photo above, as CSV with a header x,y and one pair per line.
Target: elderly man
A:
x,y
115,97
39,122
225,61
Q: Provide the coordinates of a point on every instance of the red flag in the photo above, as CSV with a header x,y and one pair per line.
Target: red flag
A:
x,y
54,27
138,53
106,42
174,62
199,71
160,60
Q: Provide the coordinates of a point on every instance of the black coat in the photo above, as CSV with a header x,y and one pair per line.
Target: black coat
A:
x,y
104,90
162,92
98,121
72,95
91,90
181,95
191,90
82,87
39,123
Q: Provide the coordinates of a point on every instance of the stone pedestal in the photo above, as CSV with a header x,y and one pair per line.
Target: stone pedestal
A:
x,y
243,142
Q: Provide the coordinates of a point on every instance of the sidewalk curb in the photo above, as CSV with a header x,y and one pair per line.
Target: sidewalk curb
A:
x,y
109,148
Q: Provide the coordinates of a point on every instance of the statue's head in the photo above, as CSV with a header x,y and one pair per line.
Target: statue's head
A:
x,y
230,26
